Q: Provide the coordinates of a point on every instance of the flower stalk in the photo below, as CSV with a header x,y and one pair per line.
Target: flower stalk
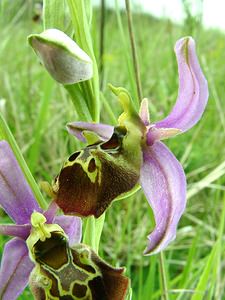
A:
x,y
78,13
134,51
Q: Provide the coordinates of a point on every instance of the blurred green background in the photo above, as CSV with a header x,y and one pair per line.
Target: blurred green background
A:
x,y
37,109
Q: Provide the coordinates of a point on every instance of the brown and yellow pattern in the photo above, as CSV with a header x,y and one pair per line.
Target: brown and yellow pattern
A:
x,y
74,273
93,177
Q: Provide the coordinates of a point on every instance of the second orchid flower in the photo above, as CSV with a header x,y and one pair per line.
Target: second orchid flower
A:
x,y
118,158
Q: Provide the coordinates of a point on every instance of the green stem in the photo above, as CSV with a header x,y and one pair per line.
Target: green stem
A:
x,y
88,95
41,119
53,14
83,38
134,50
163,277
79,102
109,110
102,44
99,224
8,136
89,232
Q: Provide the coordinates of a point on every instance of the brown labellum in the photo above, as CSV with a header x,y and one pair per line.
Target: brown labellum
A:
x,y
68,273
92,178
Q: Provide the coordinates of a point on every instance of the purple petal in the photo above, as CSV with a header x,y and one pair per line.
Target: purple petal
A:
x,y
102,130
21,231
16,197
72,227
51,211
163,181
15,270
158,134
193,89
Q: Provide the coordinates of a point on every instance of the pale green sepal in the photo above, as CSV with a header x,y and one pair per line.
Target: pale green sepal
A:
x,y
91,137
66,62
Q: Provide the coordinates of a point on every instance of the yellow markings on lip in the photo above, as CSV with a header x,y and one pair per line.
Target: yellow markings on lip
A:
x,y
85,163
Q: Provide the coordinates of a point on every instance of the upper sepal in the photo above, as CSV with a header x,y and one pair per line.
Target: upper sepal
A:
x,y
16,197
193,89
66,62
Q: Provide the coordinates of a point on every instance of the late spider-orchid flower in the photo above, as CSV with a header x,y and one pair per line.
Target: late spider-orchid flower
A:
x,y
18,201
65,272
46,249
117,158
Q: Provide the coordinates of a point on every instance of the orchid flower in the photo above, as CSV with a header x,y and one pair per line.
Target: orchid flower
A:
x,y
18,201
118,158
64,272
46,248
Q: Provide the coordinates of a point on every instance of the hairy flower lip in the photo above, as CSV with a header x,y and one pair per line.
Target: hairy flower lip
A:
x,y
161,175
84,190
87,270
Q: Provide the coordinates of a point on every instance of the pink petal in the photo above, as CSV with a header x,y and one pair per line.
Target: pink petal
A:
x,y
163,181
15,270
51,212
72,227
21,231
16,197
157,134
144,113
193,89
102,130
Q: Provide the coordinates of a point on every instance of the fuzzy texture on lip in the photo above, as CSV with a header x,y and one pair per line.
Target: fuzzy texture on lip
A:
x,y
161,175
17,199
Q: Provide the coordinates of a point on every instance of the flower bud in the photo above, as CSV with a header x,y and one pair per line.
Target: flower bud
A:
x,y
66,62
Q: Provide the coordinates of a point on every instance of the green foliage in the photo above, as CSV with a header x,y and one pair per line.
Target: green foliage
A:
x,y
38,109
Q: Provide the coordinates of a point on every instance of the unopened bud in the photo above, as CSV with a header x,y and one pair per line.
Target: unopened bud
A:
x,y
66,62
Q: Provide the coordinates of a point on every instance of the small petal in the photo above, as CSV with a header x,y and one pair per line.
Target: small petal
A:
x,y
66,62
158,134
16,197
15,269
164,184
143,113
102,130
193,89
72,227
51,211
21,231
